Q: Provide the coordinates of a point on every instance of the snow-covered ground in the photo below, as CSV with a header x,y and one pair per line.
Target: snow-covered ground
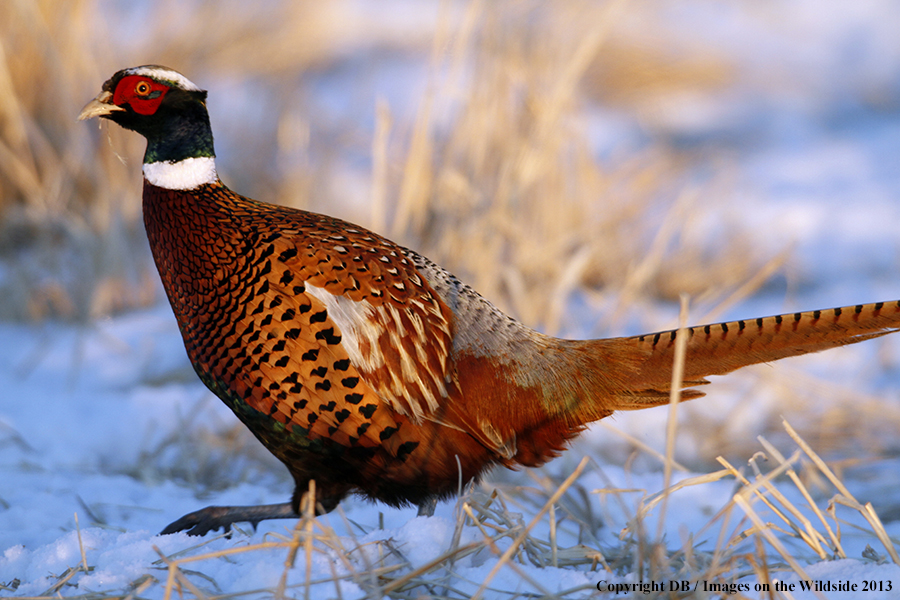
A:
x,y
106,423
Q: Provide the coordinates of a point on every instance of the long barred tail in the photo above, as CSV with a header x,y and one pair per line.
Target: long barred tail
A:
x,y
644,378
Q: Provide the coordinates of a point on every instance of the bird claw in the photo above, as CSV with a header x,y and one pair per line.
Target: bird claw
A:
x,y
200,522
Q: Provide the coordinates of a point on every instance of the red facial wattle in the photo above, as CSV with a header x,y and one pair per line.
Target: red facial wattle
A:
x,y
141,93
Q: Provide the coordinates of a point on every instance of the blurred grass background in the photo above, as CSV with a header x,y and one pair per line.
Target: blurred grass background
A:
x,y
473,147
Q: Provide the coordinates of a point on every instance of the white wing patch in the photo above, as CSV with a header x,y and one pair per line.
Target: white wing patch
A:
x,y
348,315
410,387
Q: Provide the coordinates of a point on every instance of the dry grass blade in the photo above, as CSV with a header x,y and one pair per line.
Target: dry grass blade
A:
x,y
801,526
762,481
554,549
84,564
817,460
228,552
491,543
790,514
62,580
651,501
763,529
869,514
304,525
436,563
176,575
835,540
866,511
681,340
504,558
140,585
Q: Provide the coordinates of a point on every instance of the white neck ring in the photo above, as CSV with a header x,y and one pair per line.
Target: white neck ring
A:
x,y
187,174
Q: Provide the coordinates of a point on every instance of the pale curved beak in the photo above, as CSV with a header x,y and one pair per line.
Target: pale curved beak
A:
x,y
99,107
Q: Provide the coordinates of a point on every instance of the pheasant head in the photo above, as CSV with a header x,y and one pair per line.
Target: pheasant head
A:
x,y
169,110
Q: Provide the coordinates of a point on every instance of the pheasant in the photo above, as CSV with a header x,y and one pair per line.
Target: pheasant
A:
x,y
368,368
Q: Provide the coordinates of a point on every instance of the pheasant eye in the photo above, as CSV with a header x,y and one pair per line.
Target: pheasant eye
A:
x,y
142,88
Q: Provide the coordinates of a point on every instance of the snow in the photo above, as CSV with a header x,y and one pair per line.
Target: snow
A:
x,y
107,421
